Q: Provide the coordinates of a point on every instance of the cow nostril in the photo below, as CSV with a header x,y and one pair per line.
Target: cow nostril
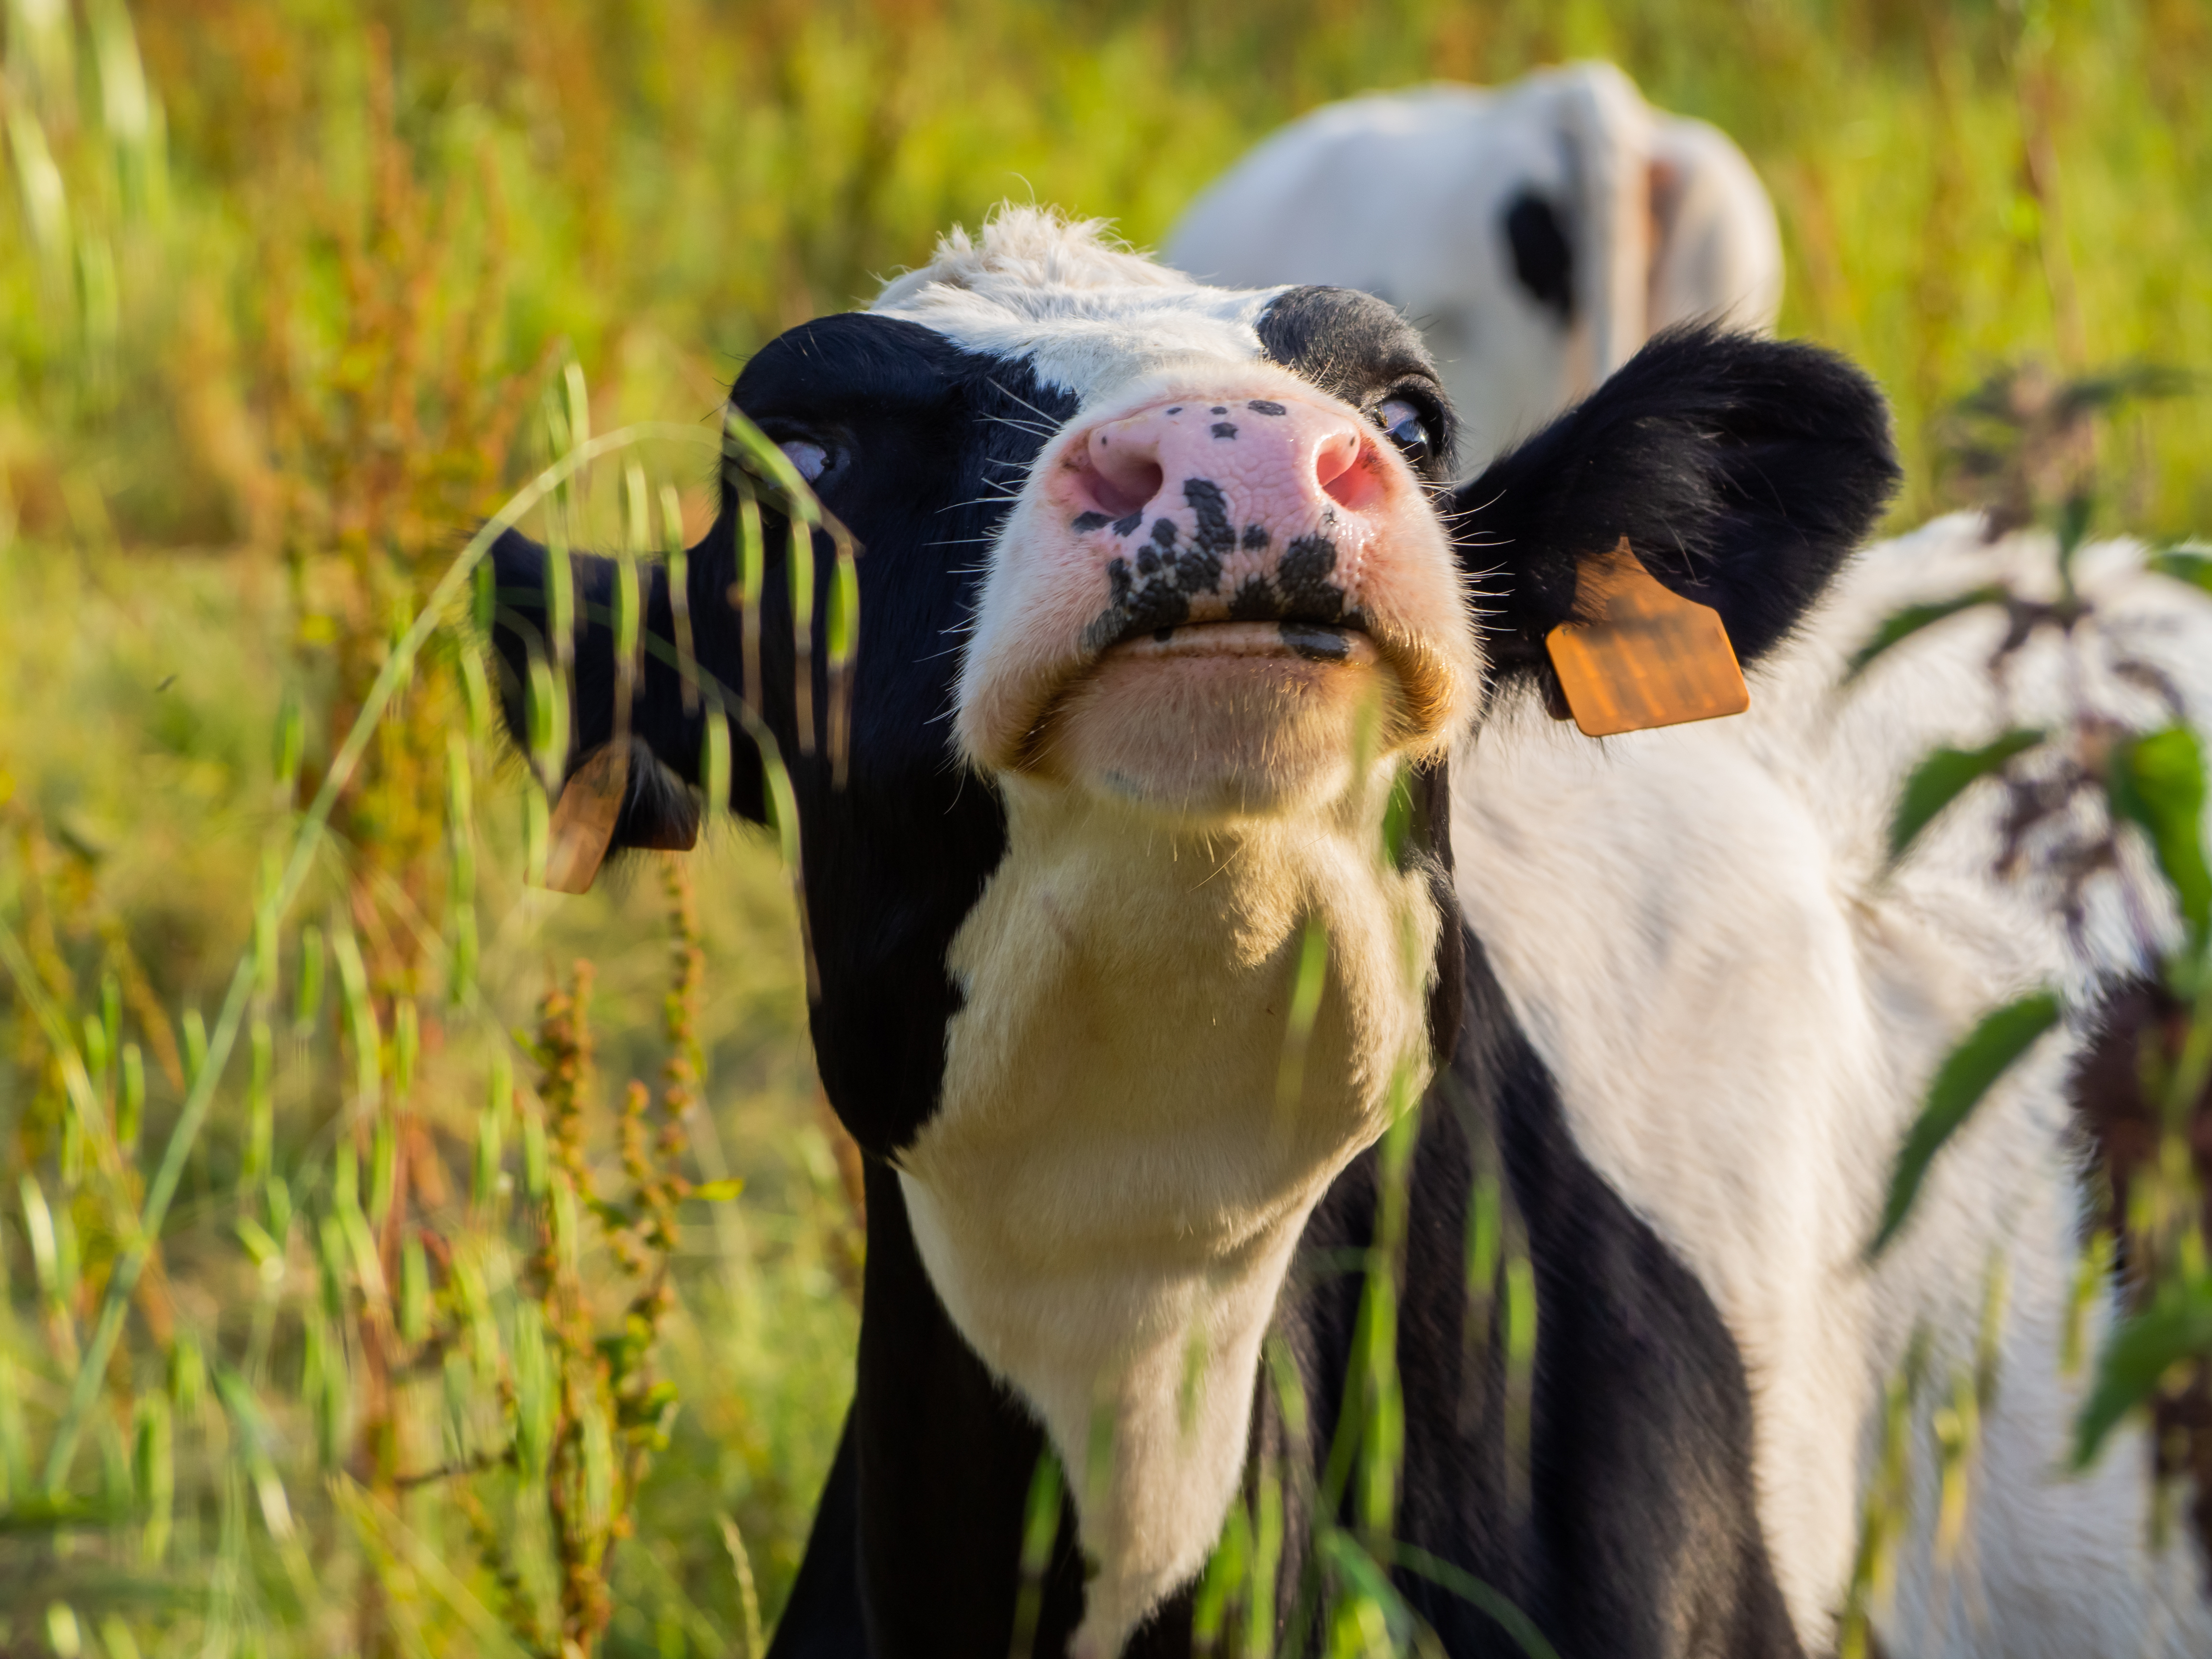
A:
x,y
1118,486
1345,470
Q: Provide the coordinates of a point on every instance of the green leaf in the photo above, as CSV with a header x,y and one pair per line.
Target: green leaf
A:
x,y
2003,1036
1941,777
2195,568
2157,783
2177,1326
1902,625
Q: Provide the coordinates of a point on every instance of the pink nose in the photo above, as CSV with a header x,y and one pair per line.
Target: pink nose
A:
x,y
1250,509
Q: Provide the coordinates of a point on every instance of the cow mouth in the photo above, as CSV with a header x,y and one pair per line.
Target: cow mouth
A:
x,y
1315,642
1236,719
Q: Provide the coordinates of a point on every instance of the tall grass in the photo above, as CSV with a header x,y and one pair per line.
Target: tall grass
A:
x,y
291,295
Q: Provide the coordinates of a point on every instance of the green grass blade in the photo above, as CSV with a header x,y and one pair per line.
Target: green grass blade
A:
x,y
2002,1037
1472,1590
306,837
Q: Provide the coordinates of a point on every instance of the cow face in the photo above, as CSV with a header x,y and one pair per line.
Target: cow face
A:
x,y
1165,631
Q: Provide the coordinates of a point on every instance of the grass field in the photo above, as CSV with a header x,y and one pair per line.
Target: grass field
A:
x,y
291,295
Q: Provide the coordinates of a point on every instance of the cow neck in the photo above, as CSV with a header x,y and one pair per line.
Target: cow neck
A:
x,y
1109,1192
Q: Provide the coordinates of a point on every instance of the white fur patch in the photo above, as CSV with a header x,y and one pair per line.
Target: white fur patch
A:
x,y
1741,1017
1108,1194
1091,318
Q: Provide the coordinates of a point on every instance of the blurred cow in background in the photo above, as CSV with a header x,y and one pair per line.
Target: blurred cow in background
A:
x,y
1537,233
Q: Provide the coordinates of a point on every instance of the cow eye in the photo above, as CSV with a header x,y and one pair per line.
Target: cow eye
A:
x,y
1407,427
812,459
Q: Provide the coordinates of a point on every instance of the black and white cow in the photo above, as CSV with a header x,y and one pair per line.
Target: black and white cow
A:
x,y
1538,234
1176,652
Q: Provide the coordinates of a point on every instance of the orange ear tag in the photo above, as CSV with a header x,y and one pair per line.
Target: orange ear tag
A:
x,y
1647,657
584,819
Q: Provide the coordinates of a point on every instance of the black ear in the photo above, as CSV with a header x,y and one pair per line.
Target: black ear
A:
x,y
667,736
1741,469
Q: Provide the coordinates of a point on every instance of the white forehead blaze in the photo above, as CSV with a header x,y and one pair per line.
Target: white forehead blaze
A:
x,y
1086,316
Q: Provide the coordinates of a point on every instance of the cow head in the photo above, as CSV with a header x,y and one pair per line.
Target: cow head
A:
x,y
1167,625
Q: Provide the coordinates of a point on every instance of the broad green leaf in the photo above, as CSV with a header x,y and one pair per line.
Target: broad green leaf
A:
x,y
1965,1077
2157,783
2177,1326
1902,625
1942,776
2183,566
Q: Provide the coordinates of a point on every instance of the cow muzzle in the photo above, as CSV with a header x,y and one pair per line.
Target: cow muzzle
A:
x,y
1216,598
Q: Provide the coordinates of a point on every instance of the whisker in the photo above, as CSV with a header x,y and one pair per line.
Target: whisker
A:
x,y
1026,403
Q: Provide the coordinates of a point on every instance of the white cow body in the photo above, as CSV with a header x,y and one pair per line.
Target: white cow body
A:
x,y
1405,195
1742,1015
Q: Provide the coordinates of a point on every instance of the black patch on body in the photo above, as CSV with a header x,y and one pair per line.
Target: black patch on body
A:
x,y
1633,1530
1543,258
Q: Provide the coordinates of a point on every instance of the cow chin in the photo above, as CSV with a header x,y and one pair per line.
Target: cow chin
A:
x,y
1227,722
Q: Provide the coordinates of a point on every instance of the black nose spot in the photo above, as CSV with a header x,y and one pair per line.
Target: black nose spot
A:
x,y
1303,573
1218,409
1255,537
1264,406
1128,526
1215,536
1163,635
1164,532
1255,601
1223,429
1088,521
1177,410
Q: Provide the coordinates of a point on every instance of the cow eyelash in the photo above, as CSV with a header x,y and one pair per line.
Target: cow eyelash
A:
x,y
1409,424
